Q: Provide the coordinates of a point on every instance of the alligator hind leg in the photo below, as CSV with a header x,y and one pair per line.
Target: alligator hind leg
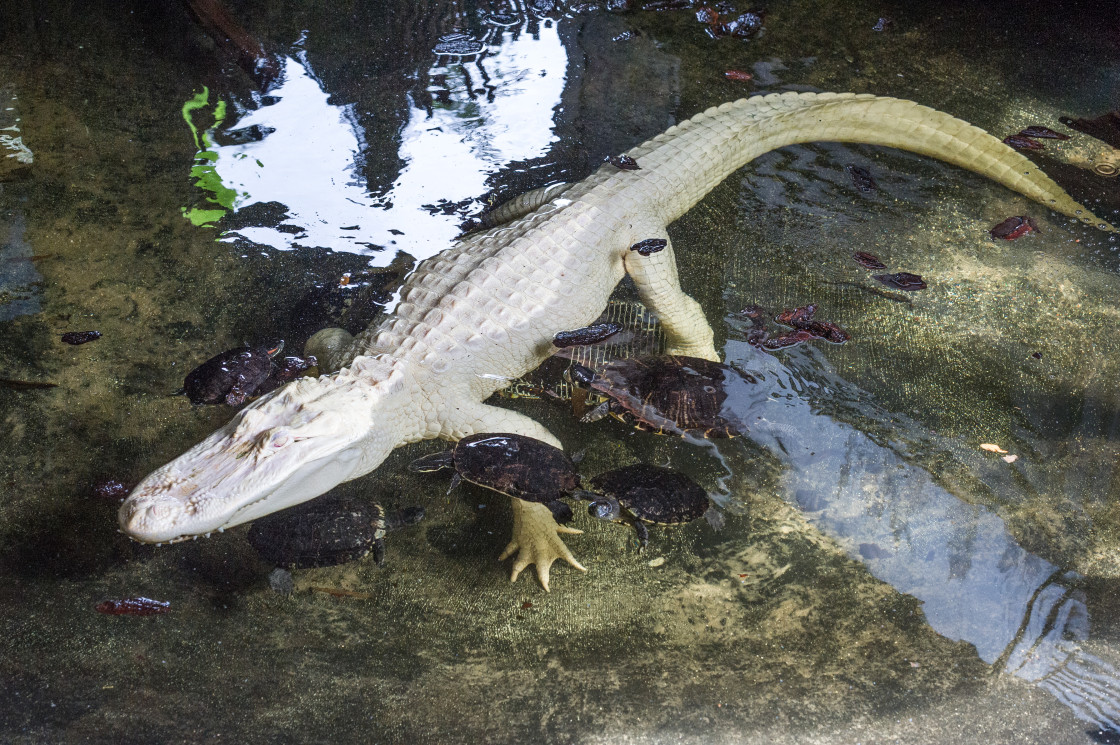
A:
x,y
536,534
659,287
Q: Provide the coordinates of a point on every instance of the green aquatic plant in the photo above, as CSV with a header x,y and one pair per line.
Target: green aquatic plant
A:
x,y
204,169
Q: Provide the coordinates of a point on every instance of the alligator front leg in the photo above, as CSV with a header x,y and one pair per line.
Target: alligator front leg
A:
x,y
659,287
536,541
536,534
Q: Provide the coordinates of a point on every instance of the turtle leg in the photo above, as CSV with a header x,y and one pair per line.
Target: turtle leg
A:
x,y
536,534
643,534
599,412
561,512
659,288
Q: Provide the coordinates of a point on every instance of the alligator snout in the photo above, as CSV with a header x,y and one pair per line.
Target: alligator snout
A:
x,y
154,518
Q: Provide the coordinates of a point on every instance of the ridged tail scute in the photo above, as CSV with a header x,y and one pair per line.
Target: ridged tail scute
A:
x,y
698,154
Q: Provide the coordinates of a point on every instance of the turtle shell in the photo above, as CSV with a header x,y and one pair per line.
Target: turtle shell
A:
x,y
320,533
670,394
517,466
654,494
231,376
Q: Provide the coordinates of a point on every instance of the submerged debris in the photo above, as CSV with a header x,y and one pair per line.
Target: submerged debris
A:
x,y
669,5
1014,227
624,162
649,246
802,320
80,337
133,607
799,319
902,281
861,178
1019,142
1042,132
868,261
744,26
25,385
586,335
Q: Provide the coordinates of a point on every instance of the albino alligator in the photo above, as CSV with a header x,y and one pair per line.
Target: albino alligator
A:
x,y
485,311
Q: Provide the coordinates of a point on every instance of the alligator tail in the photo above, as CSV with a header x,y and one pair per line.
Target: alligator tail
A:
x,y
693,157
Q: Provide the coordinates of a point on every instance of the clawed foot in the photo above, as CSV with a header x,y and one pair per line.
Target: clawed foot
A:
x,y
536,540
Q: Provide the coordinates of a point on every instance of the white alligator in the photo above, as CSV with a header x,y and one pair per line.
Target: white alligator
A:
x,y
486,309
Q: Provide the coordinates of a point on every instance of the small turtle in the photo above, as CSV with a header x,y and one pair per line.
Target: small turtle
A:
x,y
326,532
510,464
639,494
287,370
666,394
231,376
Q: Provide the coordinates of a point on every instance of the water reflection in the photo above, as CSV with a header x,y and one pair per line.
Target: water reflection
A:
x,y
302,152
18,276
1023,614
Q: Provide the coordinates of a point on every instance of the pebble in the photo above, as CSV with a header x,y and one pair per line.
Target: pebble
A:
x,y
281,581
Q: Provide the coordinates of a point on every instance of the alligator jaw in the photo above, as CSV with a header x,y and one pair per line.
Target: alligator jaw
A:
x,y
284,449
171,506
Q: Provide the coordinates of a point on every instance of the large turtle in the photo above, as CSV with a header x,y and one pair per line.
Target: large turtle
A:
x,y
514,465
326,532
666,394
640,494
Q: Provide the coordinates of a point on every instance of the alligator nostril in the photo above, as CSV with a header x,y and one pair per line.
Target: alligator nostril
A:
x,y
161,510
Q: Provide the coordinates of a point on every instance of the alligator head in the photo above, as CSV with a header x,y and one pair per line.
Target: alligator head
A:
x,y
286,448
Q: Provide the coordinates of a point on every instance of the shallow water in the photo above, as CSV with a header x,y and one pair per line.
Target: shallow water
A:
x,y
880,577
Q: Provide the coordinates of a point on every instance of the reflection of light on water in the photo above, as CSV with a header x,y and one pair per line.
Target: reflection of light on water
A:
x,y
307,161
1021,613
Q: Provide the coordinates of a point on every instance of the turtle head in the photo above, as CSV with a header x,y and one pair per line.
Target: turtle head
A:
x,y
285,448
605,508
580,374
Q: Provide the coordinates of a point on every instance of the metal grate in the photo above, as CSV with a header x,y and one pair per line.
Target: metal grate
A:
x,y
641,335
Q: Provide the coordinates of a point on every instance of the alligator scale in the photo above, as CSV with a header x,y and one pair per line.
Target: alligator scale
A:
x,y
488,308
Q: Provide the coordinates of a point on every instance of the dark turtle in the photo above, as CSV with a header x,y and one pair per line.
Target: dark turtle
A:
x,y
514,465
326,532
666,394
231,376
287,370
640,494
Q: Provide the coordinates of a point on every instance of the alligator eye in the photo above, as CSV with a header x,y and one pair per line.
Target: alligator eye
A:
x,y
279,439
